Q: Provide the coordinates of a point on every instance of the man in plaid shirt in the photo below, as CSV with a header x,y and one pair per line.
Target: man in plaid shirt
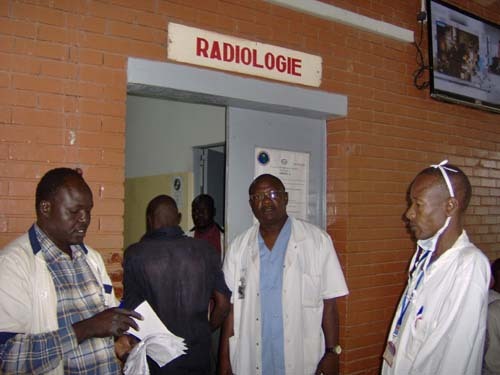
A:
x,y
57,306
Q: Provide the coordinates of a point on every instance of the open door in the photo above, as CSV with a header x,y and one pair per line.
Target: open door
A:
x,y
250,129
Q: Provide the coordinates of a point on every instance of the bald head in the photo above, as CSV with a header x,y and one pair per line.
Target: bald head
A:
x,y
162,212
458,180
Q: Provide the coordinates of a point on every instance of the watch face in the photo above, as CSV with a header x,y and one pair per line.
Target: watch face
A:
x,y
337,349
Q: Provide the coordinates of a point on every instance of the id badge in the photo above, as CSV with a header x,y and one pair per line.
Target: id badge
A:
x,y
389,353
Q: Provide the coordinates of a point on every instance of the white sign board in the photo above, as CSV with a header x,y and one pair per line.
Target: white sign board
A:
x,y
206,48
292,168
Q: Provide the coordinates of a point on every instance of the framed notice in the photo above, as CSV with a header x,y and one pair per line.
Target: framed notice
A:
x,y
292,168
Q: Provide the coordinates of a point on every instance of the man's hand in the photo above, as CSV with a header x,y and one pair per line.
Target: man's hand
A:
x,y
329,365
123,346
110,322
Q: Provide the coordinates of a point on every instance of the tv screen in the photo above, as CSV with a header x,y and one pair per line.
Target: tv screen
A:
x,y
464,57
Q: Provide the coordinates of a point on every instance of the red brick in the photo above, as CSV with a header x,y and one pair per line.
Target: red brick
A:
x,y
4,79
104,43
22,224
115,61
111,224
89,156
18,28
178,12
84,139
7,43
17,98
89,106
147,50
97,74
39,84
145,5
152,20
38,14
59,69
109,190
4,8
4,148
40,153
105,174
26,116
126,30
24,64
115,93
83,23
105,241
22,188
51,50
111,12
116,158
88,56
56,34
15,206
30,134
83,89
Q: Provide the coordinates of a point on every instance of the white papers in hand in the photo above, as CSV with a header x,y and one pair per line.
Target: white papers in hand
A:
x,y
158,342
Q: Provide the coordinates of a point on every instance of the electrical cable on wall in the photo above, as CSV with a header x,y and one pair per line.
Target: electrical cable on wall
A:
x,y
418,74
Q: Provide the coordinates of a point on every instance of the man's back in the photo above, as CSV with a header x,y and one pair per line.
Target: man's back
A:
x,y
176,274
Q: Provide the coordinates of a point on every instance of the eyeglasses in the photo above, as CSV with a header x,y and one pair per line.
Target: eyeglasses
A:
x,y
272,195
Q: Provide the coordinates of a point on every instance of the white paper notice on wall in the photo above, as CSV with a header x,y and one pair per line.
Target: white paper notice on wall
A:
x,y
214,50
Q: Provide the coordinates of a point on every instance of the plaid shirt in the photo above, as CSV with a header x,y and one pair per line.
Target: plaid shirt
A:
x,y
79,296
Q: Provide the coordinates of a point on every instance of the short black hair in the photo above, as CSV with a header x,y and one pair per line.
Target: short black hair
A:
x,y
263,177
52,181
161,200
205,198
459,182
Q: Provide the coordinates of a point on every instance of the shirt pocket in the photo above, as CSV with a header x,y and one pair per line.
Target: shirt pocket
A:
x,y
418,328
311,290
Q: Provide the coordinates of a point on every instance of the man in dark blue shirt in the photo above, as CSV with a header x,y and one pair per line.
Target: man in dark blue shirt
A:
x,y
177,275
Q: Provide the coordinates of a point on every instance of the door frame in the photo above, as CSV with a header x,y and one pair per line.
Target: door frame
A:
x,y
198,85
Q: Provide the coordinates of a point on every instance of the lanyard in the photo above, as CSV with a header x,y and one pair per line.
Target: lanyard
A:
x,y
409,292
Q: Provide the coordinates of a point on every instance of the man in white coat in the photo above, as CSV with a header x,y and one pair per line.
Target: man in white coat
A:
x,y
285,277
439,325
57,305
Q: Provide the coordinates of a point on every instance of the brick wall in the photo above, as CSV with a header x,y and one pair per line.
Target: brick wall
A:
x,y
63,97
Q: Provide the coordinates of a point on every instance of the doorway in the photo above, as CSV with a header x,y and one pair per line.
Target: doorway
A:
x,y
209,169
160,136
236,95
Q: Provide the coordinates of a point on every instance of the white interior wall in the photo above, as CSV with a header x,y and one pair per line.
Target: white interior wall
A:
x,y
160,134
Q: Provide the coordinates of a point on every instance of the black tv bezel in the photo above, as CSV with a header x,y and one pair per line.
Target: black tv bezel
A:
x,y
449,96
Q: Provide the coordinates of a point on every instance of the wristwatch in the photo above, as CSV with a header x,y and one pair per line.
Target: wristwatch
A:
x,y
337,349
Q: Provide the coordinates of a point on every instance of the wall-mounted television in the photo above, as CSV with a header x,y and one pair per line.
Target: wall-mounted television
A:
x,y
464,57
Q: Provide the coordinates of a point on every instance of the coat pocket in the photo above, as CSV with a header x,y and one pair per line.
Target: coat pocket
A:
x,y
310,290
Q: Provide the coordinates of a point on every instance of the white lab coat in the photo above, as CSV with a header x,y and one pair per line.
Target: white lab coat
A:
x,y
28,300
311,274
448,338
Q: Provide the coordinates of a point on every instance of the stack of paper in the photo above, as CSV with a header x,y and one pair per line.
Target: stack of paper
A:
x,y
157,342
